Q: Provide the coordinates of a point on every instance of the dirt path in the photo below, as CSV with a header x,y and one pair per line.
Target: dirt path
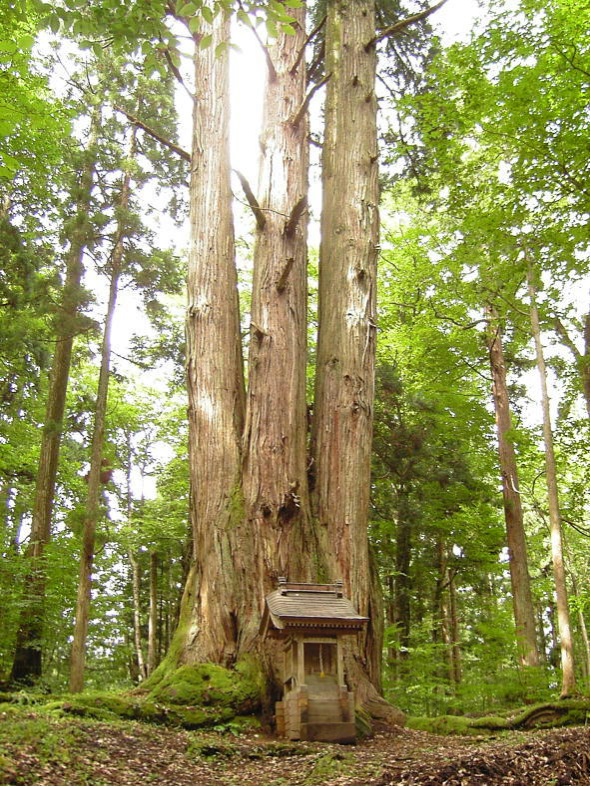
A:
x,y
73,752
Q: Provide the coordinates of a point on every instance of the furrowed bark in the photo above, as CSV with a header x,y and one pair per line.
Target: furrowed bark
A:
x,y
347,314
275,451
208,624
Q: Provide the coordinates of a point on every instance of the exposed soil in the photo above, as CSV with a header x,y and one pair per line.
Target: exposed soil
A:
x,y
80,751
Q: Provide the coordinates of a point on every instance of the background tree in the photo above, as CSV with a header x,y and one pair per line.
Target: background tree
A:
x,y
482,123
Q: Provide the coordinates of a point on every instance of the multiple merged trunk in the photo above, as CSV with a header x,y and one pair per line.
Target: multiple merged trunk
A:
x,y
254,515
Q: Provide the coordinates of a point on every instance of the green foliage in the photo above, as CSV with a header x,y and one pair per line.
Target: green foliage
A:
x,y
34,126
491,152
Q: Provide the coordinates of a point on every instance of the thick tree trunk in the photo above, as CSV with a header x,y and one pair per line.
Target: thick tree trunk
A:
x,y
208,627
249,499
523,609
562,611
275,439
27,663
347,313
92,508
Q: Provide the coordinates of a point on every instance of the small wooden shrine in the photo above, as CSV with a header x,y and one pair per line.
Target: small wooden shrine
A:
x,y
312,620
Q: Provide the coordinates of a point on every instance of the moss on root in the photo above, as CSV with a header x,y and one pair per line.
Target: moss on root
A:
x,y
543,715
192,696
456,725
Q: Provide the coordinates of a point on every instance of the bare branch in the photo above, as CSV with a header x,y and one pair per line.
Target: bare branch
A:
x,y
306,102
282,283
154,134
270,65
297,212
402,24
177,74
252,200
309,38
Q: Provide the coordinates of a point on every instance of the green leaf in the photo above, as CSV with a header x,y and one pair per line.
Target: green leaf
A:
x,y
186,9
205,41
7,126
25,42
243,17
195,24
8,46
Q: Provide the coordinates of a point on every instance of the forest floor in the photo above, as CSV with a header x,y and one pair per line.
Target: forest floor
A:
x,y
37,749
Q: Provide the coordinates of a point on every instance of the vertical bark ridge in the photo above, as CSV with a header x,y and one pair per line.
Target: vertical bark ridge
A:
x,y
275,464
207,628
347,306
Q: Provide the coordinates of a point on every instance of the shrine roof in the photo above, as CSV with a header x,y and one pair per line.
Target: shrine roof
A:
x,y
309,606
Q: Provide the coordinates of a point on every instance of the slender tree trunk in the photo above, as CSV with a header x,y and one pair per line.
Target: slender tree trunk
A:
x,y
153,614
77,658
27,663
454,631
402,580
208,622
581,358
390,610
562,611
136,584
523,609
275,452
92,508
137,620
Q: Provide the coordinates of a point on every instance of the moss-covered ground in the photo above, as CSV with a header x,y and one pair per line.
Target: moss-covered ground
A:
x,y
42,743
192,696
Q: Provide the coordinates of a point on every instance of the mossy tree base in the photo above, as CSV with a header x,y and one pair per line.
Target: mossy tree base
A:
x,y
192,696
